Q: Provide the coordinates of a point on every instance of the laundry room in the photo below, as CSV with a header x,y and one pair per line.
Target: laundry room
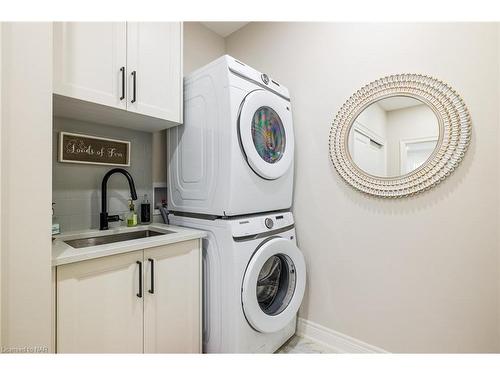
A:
x,y
249,186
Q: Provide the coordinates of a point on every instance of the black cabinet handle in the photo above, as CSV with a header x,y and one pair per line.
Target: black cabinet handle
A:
x,y
152,289
140,279
134,81
122,70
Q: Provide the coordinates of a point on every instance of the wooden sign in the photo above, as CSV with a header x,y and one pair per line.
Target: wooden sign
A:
x,y
87,149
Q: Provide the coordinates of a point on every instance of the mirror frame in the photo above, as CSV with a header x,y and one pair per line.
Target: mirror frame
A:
x,y
455,131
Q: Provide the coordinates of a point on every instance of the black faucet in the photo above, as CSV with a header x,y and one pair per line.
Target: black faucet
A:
x,y
105,218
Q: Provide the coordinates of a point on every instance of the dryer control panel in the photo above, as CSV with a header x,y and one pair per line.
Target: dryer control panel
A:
x,y
252,225
261,79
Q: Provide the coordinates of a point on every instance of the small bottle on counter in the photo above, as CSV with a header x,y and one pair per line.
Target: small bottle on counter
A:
x,y
145,210
56,229
132,216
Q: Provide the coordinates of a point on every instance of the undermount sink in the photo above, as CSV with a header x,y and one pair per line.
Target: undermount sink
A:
x,y
111,238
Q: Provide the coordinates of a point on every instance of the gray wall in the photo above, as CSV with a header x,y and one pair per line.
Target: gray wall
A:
x,y
201,46
76,188
419,274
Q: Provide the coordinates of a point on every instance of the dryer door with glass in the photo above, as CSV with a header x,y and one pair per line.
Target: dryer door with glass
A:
x,y
273,285
266,133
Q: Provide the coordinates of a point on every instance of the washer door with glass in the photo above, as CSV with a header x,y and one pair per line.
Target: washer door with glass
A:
x,y
273,285
266,133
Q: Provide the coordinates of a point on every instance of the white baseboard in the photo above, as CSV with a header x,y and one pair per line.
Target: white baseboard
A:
x,y
336,341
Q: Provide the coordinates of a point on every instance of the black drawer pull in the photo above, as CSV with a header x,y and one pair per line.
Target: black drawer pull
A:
x,y
140,279
152,289
122,70
134,84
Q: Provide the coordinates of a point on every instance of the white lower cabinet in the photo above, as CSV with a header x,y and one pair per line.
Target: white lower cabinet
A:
x,y
104,306
97,307
172,303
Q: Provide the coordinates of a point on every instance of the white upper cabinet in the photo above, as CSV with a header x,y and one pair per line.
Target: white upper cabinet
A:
x,y
154,66
89,58
132,70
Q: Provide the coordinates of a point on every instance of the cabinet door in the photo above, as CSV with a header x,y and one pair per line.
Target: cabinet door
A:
x,y
98,310
154,63
172,304
88,58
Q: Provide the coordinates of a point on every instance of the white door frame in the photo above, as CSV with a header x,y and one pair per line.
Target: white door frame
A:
x,y
1,334
26,260
359,127
402,149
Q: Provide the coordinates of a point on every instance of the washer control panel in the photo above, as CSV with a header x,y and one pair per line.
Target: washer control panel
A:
x,y
260,224
269,223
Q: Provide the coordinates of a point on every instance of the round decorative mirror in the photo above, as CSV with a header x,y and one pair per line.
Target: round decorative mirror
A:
x,y
393,136
400,135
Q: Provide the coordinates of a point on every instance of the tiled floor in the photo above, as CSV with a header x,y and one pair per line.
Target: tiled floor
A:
x,y
297,345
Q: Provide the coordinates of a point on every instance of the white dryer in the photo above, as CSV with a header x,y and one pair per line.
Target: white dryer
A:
x,y
254,278
234,153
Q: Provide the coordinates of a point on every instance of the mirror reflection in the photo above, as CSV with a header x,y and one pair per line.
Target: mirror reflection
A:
x,y
393,136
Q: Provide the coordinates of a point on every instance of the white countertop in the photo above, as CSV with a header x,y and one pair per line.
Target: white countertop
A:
x,y
62,253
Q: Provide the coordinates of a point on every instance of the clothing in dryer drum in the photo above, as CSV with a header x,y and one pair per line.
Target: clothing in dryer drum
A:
x,y
268,134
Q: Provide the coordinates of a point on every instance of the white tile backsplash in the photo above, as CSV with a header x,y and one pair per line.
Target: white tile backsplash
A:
x,y
76,188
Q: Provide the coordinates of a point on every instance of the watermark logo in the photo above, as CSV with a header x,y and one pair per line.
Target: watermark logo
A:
x,y
24,349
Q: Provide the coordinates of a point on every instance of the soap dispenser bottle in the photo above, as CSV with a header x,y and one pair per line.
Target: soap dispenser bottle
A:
x,y
132,216
145,210
56,229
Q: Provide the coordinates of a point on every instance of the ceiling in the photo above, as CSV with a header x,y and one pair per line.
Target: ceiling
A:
x,y
224,28
398,102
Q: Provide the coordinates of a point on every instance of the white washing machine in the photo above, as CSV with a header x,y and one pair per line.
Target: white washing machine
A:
x,y
234,153
254,278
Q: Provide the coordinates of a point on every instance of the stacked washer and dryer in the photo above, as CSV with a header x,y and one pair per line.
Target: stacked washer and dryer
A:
x,y
230,172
